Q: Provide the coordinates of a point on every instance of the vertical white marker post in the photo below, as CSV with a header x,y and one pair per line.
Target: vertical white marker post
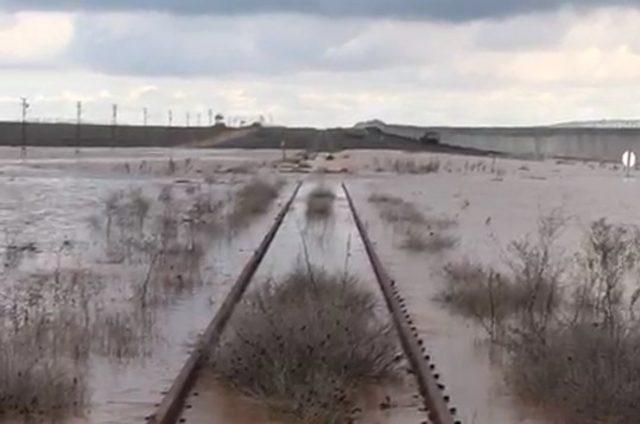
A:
x,y
629,161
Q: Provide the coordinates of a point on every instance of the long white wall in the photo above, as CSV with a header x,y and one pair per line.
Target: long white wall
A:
x,y
535,142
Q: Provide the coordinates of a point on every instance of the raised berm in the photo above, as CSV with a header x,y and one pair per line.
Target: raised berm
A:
x,y
219,136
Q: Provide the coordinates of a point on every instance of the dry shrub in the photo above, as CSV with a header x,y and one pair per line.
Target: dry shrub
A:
x,y
581,372
417,240
395,210
320,202
440,222
529,294
45,346
35,379
253,199
421,233
587,365
474,291
380,198
305,346
575,353
414,241
537,268
124,336
410,166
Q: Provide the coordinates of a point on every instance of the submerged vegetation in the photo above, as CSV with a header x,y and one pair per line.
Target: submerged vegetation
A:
x,y
306,345
98,301
320,202
569,325
253,199
420,233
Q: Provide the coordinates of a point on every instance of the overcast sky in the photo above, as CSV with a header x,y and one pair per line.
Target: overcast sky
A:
x,y
323,62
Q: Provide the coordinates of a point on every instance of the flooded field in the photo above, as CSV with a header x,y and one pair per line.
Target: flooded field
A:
x,y
123,271
115,260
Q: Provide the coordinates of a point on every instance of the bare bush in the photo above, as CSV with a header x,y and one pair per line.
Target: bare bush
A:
x,y
400,212
414,240
582,371
421,233
418,240
609,253
537,268
253,199
45,344
305,346
582,365
320,202
410,166
34,379
482,294
440,222
384,198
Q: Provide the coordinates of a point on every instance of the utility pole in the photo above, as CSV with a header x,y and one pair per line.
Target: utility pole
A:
x,y
78,123
25,107
114,123
210,117
188,119
145,116
199,119
170,118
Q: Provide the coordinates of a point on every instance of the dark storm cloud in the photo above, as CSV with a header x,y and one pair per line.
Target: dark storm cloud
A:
x,y
451,10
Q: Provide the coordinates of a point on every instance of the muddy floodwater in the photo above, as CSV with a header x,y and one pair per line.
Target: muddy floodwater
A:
x,y
332,244
61,228
49,207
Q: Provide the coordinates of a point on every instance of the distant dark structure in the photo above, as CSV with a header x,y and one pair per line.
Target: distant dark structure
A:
x,y
431,138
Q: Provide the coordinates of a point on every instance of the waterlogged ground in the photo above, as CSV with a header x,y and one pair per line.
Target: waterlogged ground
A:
x,y
54,214
489,204
334,245
59,256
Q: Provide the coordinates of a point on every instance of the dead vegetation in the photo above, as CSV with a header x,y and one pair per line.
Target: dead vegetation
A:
x,y
37,380
320,202
53,321
306,345
407,166
395,210
45,344
418,239
574,348
253,199
420,233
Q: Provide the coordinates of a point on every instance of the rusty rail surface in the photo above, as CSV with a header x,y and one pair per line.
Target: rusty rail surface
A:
x,y
436,403
168,412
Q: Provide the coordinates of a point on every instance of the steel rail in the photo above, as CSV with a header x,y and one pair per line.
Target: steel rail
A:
x,y
168,412
436,403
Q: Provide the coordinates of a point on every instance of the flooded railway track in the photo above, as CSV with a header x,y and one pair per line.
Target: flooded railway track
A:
x,y
436,402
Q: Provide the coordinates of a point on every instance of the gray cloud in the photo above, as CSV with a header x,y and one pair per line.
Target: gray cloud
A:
x,y
136,44
449,10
